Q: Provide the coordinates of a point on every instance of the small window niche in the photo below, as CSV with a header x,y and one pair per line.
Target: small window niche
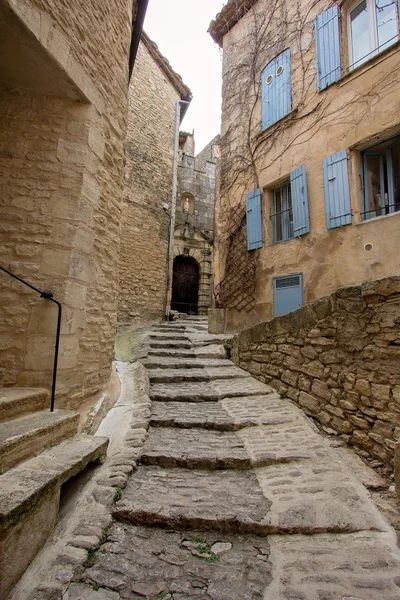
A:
x,y
187,203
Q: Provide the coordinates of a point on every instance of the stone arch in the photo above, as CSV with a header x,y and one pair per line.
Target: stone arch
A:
x,y
203,259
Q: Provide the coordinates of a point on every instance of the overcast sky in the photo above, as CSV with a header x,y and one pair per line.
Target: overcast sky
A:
x,y
179,28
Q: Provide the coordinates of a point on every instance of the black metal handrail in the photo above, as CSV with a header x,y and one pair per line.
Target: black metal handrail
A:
x,y
48,296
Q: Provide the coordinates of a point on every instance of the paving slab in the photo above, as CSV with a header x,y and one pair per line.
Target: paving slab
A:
x,y
357,566
194,449
209,391
225,501
209,415
261,410
196,374
283,442
212,351
168,343
319,495
143,562
166,362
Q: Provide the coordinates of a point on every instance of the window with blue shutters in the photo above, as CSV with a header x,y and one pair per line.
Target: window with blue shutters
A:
x,y
336,190
327,43
290,207
276,90
254,220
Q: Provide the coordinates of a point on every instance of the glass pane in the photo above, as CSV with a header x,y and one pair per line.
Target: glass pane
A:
x,y
278,214
386,20
360,34
290,231
374,198
396,178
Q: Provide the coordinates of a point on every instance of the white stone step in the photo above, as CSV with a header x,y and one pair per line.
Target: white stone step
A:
x,y
29,501
16,400
29,435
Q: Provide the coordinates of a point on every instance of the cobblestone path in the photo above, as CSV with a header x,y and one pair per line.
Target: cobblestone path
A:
x,y
237,496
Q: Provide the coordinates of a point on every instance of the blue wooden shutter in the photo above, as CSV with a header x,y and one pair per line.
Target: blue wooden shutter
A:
x,y
277,95
336,188
298,188
327,42
253,220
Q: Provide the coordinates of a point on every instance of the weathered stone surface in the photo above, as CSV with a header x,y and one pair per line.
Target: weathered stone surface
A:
x,y
205,374
224,501
208,391
355,566
178,564
194,449
80,591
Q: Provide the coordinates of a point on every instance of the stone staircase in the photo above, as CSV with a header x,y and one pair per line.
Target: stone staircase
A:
x,y
237,495
39,451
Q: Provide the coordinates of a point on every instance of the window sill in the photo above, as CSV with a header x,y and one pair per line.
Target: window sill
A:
x,y
265,133
374,219
369,64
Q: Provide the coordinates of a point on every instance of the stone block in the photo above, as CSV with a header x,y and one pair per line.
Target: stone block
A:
x,y
216,320
309,404
380,392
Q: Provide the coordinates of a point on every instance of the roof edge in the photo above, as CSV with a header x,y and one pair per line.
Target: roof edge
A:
x,y
175,79
229,15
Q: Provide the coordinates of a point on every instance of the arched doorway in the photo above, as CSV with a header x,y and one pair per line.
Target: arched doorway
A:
x,y
185,285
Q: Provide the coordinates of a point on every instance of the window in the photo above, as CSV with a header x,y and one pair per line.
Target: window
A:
x,y
381,179
372,26
282,216
276,90
290,207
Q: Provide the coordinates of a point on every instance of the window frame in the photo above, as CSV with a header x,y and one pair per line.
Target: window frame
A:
x,y
389,208
372,33
285,227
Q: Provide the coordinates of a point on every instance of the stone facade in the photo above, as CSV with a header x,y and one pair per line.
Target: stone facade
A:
x,y
338,359
194,219
64,79
154,90
357,111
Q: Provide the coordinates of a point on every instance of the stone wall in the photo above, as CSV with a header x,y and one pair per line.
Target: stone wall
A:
x,y
147,194
339,360
194,229
63,108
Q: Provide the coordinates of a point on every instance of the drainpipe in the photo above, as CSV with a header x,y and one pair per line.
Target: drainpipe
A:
x,y
172,215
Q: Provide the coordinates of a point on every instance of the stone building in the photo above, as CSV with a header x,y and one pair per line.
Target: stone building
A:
x,y
154,92
309,195
194,227
64,78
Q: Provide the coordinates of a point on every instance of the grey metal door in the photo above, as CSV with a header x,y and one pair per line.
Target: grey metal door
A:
x,y
288,294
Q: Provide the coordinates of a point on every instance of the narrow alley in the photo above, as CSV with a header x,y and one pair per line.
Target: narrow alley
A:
x,y
236,495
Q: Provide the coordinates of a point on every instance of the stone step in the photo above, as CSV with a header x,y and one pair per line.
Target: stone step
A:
x,y
230,414
211,391
29,501
251,447
212,351
194,449
155,343
166,362
306,497
208,415
158,336
205,374
31,434
16,400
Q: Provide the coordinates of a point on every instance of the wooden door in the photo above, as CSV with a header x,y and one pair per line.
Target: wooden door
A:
x,y
185,285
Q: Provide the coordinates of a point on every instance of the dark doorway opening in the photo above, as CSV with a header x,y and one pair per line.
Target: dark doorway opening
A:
x,y
185,285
